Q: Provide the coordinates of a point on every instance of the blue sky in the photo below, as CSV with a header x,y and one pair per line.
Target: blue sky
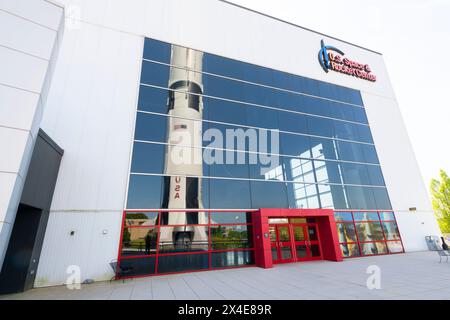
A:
x,y
409,33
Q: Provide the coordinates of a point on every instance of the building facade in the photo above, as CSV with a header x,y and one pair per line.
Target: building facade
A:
x,y
204,135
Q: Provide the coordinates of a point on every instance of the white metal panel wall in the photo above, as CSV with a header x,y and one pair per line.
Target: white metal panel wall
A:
x,y
29,36
90,113
91,110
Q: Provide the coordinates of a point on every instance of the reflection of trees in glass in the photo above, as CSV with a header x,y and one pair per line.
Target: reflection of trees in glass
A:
x,y
347,232
126,236
225,237
369,231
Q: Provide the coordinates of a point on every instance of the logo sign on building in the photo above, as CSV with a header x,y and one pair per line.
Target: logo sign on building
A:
x,y
331,58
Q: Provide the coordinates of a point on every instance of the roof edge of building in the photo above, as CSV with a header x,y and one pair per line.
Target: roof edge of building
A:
x,y
297,26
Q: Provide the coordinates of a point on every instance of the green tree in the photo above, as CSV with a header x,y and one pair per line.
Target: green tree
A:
x,y
440,192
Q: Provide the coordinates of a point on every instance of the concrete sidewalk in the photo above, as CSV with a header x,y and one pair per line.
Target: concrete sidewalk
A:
x,y
404,276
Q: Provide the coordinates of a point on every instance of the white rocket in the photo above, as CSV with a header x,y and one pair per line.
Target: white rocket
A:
x,y
184,153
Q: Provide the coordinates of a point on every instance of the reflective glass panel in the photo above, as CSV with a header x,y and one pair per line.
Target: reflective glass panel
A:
x,y
231,237
373,248
232,259
183,239
148,158
350,250
395,246
141,219
369,231
138,266
387,216
343,216
230,217
139,241
144,192
346,232
267,194
229,194
182,262
391,231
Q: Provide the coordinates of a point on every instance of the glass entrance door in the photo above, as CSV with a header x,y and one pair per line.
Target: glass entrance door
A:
x,y
306,239
281,244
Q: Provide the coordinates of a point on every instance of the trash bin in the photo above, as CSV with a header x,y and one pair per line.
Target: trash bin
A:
x,y
433,243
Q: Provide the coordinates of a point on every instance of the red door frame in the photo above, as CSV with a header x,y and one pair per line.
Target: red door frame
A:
x,y
278,244
307,242
326,227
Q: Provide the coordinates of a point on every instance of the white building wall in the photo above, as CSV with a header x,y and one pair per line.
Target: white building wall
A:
x,y
29,35
91,111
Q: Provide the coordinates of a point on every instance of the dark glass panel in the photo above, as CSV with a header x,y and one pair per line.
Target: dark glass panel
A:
x,y
148,158
364,134
267,194
375,175
355,173
381,199
301,251
153,99
151,127
223,66
349,151
346,130
230,217
360,198
350,250
370,153
231,237
229,194
235,165
183,239
225,111
311,86
141,219
224,88
342,111
339,199
373,248
320,127
157,50
292,122
137,267
182,262
346,232
369,231
360,115
391,231
144,192
139,241
295,145
327,172
155,74
262,117
232,259
315,250
323,148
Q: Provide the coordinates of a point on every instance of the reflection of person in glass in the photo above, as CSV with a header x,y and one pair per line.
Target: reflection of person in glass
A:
x,y
183,158
148,243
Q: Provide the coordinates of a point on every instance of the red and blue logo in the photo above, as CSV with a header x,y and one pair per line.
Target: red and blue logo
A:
x,y
331,58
